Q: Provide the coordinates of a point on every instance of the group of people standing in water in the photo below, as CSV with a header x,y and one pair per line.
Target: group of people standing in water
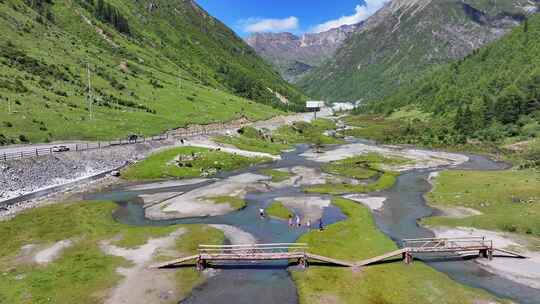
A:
x,y
295,221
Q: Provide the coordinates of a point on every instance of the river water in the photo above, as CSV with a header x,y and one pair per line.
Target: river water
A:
x,y
271,282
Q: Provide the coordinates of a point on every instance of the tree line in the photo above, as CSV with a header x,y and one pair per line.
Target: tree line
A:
x,y
491,94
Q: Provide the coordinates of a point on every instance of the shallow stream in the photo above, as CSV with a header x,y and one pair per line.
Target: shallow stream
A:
x,y
271,282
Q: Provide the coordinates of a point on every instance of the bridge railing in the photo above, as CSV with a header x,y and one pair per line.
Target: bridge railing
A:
x,y
434,244
253,249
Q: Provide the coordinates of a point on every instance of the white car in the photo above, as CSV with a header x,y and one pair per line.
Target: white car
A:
x,y
60,149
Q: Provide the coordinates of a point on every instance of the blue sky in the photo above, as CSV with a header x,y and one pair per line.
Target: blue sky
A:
x,y
297,16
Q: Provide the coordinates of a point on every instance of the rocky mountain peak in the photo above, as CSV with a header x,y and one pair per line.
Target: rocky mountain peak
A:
x,y
294,55
406,37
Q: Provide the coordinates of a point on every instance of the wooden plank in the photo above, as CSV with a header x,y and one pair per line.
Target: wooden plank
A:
x,y
446,249
174,262
519,255
249,257
445,239
381,257
246,249
255,245
329,260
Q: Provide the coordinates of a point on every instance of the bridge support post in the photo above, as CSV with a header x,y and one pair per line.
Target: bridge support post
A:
x,y
303,262
201,264
407,258
484,253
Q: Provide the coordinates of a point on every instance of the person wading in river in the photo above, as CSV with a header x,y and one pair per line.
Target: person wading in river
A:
x,y
261,213
321,226
298,221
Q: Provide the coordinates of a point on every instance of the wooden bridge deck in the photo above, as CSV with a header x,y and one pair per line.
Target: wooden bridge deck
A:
x,y
381,258
298,252
324,259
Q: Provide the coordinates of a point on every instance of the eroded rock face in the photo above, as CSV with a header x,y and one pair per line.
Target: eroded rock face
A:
x,y
295,55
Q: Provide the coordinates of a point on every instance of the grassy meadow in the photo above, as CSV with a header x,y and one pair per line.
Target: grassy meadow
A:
x,y
358,238
278,210
362,167
159,75
206,162
508,200
284,138
83,273
276,175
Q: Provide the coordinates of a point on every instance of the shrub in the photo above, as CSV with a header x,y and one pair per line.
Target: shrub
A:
x,y
22,138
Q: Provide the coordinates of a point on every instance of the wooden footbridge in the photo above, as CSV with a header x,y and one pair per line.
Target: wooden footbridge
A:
x,y
299,252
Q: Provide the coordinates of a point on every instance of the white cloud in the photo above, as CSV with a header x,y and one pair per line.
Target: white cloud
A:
x,y
363,12
257,25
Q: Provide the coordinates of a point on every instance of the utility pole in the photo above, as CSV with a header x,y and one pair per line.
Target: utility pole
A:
x,y
89,97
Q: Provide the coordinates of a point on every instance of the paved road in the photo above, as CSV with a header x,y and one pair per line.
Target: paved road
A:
x,y
270,124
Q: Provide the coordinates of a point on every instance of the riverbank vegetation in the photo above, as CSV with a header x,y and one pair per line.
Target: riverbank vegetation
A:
x,y
313,132
82,273
251,139
278,210
358,238
187,162
276,175
488,99
236,203
508,201
284,138
385,181
522,151
363,168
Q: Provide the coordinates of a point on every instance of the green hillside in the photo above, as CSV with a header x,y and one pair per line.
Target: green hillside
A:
x,y
404,39
154,65
490,95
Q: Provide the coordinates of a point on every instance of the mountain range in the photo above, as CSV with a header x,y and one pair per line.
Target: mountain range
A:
x,y
294,56
395,45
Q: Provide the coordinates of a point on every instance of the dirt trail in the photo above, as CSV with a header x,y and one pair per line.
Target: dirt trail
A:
x,y
141,286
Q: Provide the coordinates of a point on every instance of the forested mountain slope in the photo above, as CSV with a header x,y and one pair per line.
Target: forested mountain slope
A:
x,y
404,38
492,94
154,65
